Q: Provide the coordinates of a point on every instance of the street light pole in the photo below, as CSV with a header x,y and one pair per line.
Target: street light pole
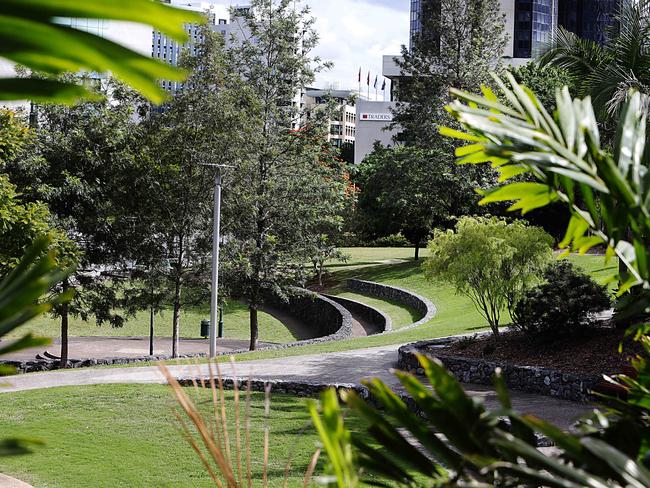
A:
x,y
216,238
214,305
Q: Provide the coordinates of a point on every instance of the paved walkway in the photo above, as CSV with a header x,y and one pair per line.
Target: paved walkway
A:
x,y
342,367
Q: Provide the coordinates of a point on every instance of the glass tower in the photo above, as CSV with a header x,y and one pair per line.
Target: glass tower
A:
x,y
534,22
588,19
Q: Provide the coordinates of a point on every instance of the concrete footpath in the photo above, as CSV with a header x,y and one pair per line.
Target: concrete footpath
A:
x,y
341,367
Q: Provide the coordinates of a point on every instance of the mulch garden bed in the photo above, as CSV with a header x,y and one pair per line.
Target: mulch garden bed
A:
x,y
596,352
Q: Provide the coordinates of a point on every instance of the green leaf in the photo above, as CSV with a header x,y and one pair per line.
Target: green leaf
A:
x,y
43,90
31,36
160,16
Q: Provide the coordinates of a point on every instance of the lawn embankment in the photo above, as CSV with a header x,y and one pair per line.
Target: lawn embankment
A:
x,y
126,436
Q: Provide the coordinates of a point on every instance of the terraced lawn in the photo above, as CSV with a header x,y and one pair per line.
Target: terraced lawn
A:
x,y
455,315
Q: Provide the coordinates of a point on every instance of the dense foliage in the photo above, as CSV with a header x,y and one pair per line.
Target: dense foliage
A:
x,y
543,80
563,305
410,191
490,261
607,72
609,448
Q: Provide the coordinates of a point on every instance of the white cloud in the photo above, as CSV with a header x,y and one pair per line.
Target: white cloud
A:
x,y
356,34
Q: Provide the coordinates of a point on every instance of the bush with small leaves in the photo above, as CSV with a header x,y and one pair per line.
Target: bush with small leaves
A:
x,y
563,305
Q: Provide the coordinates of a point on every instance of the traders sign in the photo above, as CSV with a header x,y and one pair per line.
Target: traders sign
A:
x,y
377,117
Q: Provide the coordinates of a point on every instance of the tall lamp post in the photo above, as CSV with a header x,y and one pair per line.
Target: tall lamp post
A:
x,y
216,231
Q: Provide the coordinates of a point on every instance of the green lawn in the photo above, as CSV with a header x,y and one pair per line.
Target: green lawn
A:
x,y
126,436
236,325
455,313
368,256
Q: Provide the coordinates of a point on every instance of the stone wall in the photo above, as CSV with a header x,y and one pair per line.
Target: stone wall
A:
x,y
407,298
543,381
328,319
331,322
379,321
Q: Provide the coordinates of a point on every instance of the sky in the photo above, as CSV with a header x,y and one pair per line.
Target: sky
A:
x,y
356,34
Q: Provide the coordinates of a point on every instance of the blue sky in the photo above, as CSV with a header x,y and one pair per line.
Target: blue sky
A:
x,y
355,34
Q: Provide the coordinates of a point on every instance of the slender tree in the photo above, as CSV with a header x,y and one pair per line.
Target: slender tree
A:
x,y
284,178
200,126
459,43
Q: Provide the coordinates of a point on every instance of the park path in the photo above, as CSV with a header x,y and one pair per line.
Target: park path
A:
x,y
340,367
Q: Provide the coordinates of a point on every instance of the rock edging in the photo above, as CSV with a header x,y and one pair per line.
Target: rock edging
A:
x,y
532,379
423,305
310,389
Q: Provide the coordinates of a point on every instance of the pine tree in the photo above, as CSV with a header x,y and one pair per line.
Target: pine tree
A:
x,y
459,44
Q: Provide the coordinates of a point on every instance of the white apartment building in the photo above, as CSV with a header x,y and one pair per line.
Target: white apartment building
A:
x,y
342,124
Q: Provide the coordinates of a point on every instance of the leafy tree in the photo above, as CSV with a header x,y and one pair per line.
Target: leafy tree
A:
x,y
489,261
460,42
609,71
411,191
282,184
543,80
13,135
76,166
201,124
23,223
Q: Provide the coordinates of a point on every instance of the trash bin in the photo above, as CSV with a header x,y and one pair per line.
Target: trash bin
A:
x,y
205,329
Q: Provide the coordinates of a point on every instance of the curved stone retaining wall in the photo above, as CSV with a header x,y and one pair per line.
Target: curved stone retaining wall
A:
x,y
328,320
331,322
423,305
549,382
371,316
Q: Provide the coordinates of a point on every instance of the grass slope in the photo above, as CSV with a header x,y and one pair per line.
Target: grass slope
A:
x,y
236,325
455,313
127,436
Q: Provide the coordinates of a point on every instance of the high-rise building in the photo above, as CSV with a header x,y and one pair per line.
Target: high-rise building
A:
x,y
169,50
588,19
533,22
529,23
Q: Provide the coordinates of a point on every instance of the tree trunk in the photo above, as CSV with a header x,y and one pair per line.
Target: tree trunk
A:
x,y
151,331
176,320
65,311
254,326
417,251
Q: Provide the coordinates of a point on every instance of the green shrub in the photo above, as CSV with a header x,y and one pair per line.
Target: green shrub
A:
x,y
490,261
394,240
563,304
